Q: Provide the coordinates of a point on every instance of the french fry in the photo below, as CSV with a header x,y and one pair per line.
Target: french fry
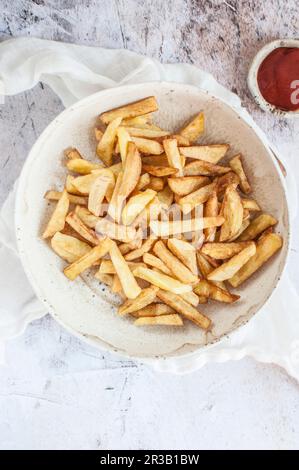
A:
x,y
181,140
245,224
116,287
116,168
138,121
153,310
127,280
165,228
76,223
266,247
83,183
224,181
196,198
146,132
185,252
103,185
211,210
79,165
236,165
132,110
69,248
98,133
76,268
132,171
104,278
71,189
187,184
194,129
228,269
178,269
155,160
107,266
156,262
212,291
72,153
106,144
184,308
174,157
146,297
224,250
110,229
139,252
165,197
144,181
147,146
250,204
200,167
87,217
169,320
208,153
73,199
156,183
117,201
136,204
232,211
57,220
162,280
123,139
159,170
191,298
205,267
257,226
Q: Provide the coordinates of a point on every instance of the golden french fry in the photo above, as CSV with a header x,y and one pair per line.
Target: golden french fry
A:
x,y
103,185
116,287
83,183
187,184
236,165
257,226
174,157
117,201
69,248
156,183
76,268
127,280
184,308
132,110
139,252
156,262
169,320
228,269
213,291
116,168
245,224
73,199
191,298
76,223
155,160
136,204
165,197
178,269
129,246
79,165
200,167
208,153
165,228
106,144
72,153
205,267
146,132
104,278
159,170
194,129
250,204
146,297
107,266
266,247
196,198
232,211
57,220
87,217
71,189
223,250
148,146
153,310
144,181
211,210
184,252
132,171
123,139
162,280
138,121
110,229
98,133
181,140
224,181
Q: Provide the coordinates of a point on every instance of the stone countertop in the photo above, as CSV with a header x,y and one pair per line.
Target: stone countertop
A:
x,y
57,392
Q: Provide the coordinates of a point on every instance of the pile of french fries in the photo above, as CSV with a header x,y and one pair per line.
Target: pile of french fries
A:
x,y
158,219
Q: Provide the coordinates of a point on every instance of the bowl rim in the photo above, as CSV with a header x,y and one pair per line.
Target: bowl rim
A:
x,y
19,204
252,77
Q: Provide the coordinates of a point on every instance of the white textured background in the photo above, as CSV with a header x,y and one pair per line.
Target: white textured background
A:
x,y
55,391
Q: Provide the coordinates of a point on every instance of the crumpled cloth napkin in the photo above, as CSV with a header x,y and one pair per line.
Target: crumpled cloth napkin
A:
x,y
74,72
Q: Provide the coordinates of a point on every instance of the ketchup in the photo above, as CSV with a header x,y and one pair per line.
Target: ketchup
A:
x,y
278,78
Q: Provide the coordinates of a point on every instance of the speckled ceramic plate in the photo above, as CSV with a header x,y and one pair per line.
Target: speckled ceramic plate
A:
x,y
84,306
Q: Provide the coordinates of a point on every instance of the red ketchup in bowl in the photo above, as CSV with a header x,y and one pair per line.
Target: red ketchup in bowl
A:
x,y
278,78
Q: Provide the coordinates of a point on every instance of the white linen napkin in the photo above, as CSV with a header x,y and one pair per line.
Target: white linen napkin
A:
x,y
74,72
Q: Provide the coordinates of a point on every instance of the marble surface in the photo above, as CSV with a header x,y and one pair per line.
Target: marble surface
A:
x,y
56,392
